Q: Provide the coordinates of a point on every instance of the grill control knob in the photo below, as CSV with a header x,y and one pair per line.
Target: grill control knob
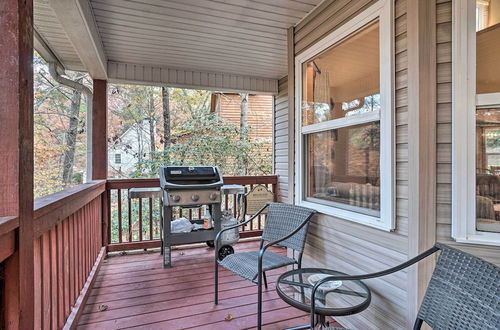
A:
x,y
195,198
176,198
213,196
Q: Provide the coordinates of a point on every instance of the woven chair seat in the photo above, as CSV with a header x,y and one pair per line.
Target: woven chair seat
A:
x,y
245,263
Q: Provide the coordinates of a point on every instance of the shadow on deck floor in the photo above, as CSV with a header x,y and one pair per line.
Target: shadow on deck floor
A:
x,y
134,291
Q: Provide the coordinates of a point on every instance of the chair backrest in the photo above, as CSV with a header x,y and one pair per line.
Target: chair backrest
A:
x,y
463,293
283,219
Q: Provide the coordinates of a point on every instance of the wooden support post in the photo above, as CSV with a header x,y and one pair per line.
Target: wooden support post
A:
x,y
421,34
99,131
100,148
16,135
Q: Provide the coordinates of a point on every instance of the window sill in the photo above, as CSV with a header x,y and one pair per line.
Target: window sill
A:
x,y
480,238
363,219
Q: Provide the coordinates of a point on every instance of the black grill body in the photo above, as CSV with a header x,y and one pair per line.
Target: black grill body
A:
x,y
189,187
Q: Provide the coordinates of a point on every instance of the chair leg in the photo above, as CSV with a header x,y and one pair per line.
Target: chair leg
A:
x,y
265,279
216,286
259,301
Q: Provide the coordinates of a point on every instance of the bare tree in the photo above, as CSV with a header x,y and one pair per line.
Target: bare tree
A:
x,y
165,96
151,106
70,136
242,161
244,116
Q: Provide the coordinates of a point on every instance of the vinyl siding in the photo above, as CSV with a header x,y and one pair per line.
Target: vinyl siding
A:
x,y
281,165
351,247
444,137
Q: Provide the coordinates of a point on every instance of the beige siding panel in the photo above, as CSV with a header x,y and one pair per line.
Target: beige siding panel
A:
x,y
281,138
334,16
354,248
444,166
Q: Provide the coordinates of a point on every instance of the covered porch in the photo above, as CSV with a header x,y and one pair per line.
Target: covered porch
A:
x,y
72,259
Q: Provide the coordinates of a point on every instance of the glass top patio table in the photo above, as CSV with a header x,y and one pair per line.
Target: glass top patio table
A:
x,y
350,297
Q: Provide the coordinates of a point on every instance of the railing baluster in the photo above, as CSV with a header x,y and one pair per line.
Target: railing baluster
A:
x,y
119,191
129,219
140,219
118,219
150,218
158,227
234,206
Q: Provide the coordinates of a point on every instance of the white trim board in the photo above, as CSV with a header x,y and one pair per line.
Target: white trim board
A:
x,y
464,102
384,11
184,78
79,24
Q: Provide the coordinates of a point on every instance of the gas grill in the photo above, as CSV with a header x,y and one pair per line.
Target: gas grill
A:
x,y
189,187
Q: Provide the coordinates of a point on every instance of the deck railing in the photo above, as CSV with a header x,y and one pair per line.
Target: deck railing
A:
x,y
73,230
67,252
135,223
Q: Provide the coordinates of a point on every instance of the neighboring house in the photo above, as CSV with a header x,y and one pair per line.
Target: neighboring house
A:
x,y
130,148
260,115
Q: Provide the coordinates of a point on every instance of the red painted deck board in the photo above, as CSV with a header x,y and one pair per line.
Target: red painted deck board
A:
x,y
138,293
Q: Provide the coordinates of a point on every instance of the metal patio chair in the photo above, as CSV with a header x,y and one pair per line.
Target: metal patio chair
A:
x,y
463,293
285,224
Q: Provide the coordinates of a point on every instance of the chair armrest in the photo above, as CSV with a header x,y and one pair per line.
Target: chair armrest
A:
x,y
397,268
217,237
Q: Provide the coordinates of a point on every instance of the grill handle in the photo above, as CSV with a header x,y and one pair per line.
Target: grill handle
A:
x,y
171,185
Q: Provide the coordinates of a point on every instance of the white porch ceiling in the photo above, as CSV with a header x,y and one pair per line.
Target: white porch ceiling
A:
x,y
246,38
52,32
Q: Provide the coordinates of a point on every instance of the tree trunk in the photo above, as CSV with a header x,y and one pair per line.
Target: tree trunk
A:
x,y
244,116
167,139
243,162
70,137
151,125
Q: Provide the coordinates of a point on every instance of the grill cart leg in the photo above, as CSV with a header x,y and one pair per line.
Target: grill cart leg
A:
x,y
167,218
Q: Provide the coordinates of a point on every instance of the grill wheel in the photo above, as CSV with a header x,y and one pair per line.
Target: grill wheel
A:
x,y
224,251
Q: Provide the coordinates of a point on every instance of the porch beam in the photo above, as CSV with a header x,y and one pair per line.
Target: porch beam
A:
x,y
16,134
421,34
79,24
119,72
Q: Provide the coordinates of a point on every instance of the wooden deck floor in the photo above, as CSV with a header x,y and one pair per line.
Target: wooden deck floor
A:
x,y
134,291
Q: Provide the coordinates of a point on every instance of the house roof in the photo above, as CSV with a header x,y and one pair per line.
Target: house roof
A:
x,y
215,44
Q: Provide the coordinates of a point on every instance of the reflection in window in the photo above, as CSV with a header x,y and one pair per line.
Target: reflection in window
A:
x,y
344,80
344,167
488,116
487,46
488,169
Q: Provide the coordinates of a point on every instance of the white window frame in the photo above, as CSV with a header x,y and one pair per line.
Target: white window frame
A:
x,y
464,103
383,11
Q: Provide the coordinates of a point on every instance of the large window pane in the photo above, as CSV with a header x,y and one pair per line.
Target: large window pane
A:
x,y
488,46
488,169
343,167
343,80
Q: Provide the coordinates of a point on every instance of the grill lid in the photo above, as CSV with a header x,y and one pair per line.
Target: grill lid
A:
x,y
190,177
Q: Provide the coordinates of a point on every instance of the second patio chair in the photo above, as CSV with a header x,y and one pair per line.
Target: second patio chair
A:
x,y
285,224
